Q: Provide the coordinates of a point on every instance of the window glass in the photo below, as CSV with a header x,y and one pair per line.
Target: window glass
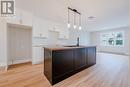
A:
x,y
112,39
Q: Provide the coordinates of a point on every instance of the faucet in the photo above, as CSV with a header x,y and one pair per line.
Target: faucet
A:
x,y
77,41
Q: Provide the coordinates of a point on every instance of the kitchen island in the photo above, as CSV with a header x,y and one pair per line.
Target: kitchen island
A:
x,y
61,62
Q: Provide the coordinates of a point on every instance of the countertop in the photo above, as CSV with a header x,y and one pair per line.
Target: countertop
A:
x,y
53,48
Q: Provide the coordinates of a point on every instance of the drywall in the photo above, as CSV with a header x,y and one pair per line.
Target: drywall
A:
x,y
95,39
129,56
84,37
3,43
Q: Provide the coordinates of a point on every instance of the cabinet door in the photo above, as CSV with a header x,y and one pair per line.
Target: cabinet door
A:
x,y
63,33
38,55
62,62
36,28
79,58
40,28
91,53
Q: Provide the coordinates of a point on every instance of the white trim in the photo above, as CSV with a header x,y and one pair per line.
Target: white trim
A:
x,y
126,54
3,66
20,61
38,61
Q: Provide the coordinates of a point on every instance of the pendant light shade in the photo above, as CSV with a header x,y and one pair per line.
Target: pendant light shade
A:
x,y
80,28
75,26
68,25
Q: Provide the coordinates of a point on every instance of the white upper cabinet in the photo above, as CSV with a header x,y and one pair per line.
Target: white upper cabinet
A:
x,y
40,28
61,28
21,17
63,31
38,55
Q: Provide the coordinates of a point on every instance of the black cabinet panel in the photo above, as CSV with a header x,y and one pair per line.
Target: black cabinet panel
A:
x,y
48,64
62,62
91,56
79,58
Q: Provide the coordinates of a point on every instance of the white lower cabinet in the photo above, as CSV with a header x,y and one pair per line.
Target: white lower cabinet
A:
x,y
38,55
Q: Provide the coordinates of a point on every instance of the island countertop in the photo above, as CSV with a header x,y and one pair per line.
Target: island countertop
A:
x,y
59,47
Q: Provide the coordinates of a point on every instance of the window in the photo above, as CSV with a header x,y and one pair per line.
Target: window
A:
x,y
112,39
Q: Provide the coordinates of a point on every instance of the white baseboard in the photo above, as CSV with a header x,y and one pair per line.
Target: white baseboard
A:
x,y
3,66
19,61
127,54
38,61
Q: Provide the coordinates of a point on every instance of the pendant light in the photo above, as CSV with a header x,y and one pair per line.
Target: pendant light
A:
x,y
75,21
74,15
80,22
68,19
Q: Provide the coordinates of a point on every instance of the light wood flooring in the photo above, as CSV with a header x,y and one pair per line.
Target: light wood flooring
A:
x,y
110,71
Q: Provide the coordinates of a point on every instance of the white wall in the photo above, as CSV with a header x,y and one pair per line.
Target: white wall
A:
x,y
95,39
3,43
129,52
84,37
129,61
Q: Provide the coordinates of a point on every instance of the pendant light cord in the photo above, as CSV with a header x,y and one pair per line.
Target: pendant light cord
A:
x,y
68,16
80,20
74,18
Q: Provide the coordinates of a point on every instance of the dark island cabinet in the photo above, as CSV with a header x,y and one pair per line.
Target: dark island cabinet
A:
x,y
91,56
60,64
79,58
48,65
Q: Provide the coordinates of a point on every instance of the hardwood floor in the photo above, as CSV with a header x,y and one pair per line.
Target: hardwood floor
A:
x,y
110,71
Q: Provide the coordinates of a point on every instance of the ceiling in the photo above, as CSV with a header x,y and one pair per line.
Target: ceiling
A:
x,y
108,13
